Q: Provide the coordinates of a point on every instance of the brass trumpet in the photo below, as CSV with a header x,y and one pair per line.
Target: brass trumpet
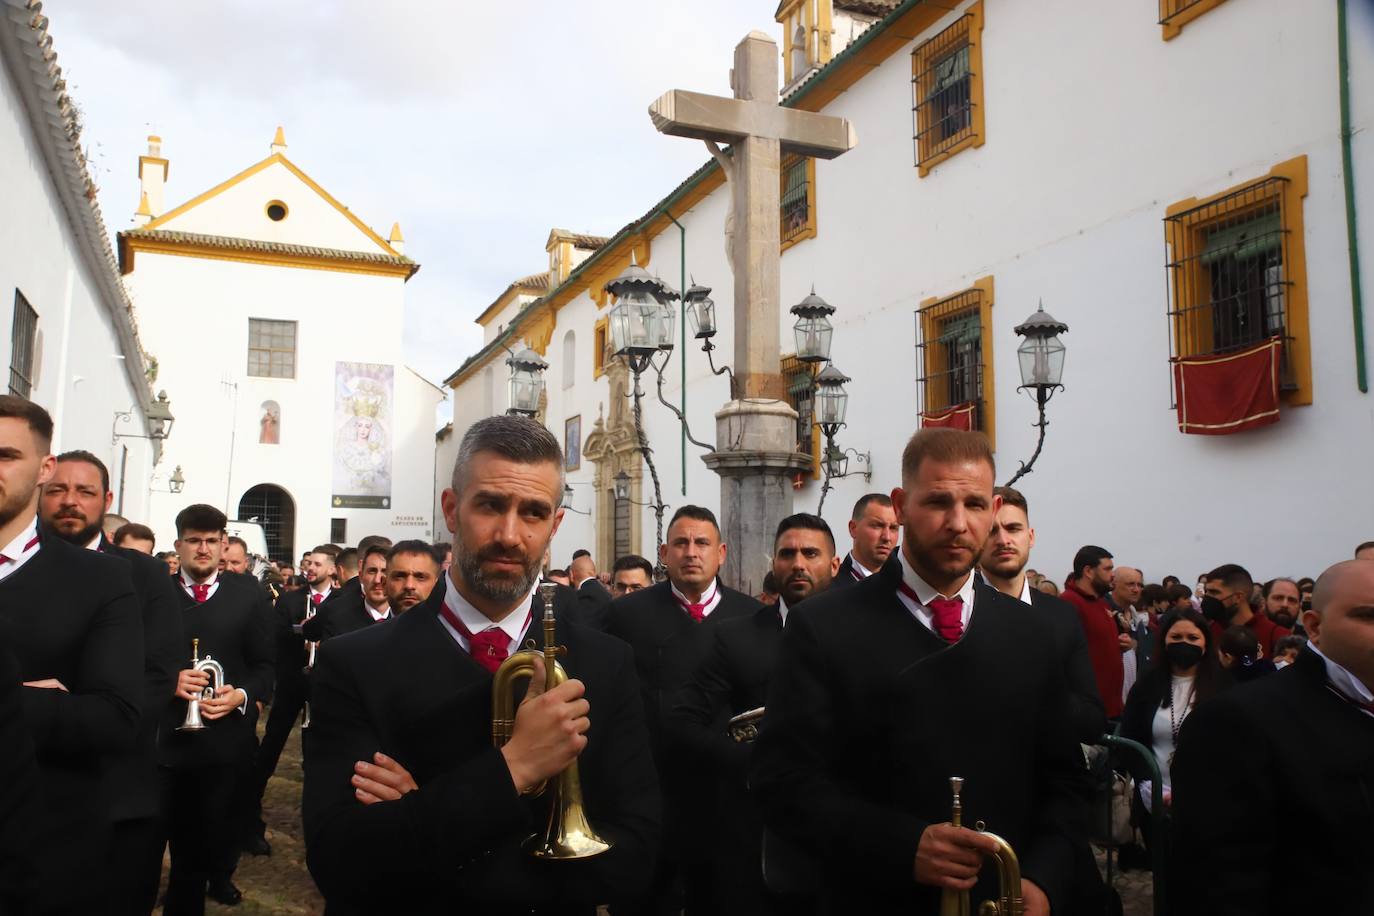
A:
x,y
1009,902
568,835
744,728
207,664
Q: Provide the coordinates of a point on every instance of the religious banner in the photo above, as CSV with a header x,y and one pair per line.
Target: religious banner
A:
x,y
1228,393
362,436
960,416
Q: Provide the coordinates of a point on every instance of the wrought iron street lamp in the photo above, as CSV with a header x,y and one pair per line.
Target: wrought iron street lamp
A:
x,y
1041,356
831,405
177,483
813,329
641,326
159,418
568,498
526,382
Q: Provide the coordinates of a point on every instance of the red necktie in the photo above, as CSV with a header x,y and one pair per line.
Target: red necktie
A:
x,y
696,611
946,614
488,648
200,592
316,598
27,547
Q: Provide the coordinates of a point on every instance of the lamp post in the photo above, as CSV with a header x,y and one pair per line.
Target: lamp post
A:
x,y
832,402
526,382
1041,358
641,326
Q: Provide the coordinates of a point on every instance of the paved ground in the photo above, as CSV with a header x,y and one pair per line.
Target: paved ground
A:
x,y
280,885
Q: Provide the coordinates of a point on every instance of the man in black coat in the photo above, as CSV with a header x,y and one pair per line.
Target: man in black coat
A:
x,y
73,505
595,597
875,534
229,620
1003,566
354,608
1300,742
21,808
670,628
409,806
884,690
733,680
74,629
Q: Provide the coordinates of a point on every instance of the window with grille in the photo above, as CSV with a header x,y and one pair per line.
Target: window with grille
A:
x,y
621,527
1231,274
952,355
947,91
801,394
338,531
23,344
797,209
271,348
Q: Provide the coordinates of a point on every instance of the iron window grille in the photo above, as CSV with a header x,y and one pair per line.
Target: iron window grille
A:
x,y
271,348
794,215
1227,264
621,526
338,531
942,91
950,354
23,343
801,394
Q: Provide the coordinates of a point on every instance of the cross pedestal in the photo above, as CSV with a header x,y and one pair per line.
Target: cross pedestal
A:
x,y
756,435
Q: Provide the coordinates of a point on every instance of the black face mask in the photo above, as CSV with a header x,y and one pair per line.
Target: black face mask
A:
x,y
1214,609
1183,654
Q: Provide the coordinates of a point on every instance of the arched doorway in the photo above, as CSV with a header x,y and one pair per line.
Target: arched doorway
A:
x,y
273,508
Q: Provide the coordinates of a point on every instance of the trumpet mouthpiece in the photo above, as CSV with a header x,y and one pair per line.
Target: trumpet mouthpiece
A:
x,y
547,590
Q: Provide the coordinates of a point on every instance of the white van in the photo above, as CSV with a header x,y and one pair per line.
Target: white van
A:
x,y
252,534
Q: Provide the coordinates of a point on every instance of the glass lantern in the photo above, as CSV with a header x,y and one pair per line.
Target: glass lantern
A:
x,y
1041,354
526,382
832,401
836,462
622,485
701,312
160,417
813,329
177,483
642,317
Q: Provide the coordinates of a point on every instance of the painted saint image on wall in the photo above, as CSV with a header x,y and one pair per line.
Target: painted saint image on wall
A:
x,y
362,435
269,424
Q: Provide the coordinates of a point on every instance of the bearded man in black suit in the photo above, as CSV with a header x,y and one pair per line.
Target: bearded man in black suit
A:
x,y
884,690
72,506
409,805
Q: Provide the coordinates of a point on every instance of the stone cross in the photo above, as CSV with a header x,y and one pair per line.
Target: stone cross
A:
x,y
759,132
756,435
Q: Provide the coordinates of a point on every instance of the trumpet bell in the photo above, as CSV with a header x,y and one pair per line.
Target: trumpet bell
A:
x,y
568,836
193,722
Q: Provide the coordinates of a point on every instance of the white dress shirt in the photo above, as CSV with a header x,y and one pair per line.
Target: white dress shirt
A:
x,y
1345,682
1025,595
926,593
861,572
710,598
377,616
782,609
20,550
513,624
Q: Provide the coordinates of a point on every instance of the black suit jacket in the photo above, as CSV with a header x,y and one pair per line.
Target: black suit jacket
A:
x,y
290,635
337,616
407,689
132,777
21,804
845,577
870,713
593,603
1060,621
234,628
72,615
1280,743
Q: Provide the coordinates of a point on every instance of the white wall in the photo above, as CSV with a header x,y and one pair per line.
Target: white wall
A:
x,y
1065,203
80,376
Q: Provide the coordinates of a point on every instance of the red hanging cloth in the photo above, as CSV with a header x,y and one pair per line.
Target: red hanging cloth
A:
x,y
1230,392
960,416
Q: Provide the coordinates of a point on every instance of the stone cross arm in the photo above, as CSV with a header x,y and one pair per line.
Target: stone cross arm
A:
x,y
680,113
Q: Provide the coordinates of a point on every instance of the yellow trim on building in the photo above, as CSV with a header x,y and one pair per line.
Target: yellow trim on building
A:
x,y
1186,240
129,246
984,286
143,208
154,160
395,235
600,331
254,169
1172,26
808,231
977,129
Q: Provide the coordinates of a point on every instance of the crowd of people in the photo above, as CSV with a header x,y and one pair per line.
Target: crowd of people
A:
x,y
790,752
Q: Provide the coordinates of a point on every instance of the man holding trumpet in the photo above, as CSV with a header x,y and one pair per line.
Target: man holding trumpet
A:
x,y
409,804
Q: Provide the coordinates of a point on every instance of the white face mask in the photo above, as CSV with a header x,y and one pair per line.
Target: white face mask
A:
x,y
1281,663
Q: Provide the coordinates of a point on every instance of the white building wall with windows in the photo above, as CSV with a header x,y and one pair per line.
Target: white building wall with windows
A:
x,y
1065,201
82,362
341,289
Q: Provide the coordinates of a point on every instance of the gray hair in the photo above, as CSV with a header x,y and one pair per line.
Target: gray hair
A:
x,y
515,438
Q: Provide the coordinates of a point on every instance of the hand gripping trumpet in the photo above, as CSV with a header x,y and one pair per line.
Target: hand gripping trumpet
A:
x,y
211,667
1009,902
568,835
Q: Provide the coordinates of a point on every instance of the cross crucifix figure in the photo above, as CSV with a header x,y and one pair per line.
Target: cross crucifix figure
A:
x,y
759,132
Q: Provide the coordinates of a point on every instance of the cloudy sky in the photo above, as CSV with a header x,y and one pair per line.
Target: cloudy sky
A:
x,y
479,126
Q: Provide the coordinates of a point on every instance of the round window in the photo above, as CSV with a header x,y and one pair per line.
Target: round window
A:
x,y
276,211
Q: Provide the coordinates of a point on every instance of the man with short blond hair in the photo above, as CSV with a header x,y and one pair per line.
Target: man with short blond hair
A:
x,y
884,690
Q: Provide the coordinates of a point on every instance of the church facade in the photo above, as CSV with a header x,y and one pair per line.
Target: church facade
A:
x,y
70,334
1174,188
275,313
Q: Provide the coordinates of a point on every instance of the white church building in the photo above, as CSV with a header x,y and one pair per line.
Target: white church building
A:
x,y
1181,186
275,314
70,333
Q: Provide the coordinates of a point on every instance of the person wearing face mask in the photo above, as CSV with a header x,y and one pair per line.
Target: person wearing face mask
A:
x,y
1287,650
1226,603
1185,675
